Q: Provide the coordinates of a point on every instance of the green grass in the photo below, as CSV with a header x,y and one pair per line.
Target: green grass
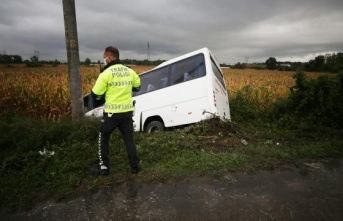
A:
x,y
209,148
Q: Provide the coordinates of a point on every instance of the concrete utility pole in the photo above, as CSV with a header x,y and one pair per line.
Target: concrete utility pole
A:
x,y
75,85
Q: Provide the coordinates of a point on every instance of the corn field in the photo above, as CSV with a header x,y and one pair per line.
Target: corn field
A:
x,y
263,87
44,92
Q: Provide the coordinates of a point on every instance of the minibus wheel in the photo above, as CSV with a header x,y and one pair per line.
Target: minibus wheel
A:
x,y
154,126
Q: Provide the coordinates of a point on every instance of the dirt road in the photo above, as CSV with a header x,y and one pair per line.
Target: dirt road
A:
x,y
312,192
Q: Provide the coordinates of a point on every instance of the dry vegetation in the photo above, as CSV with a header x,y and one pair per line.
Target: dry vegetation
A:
x,y
44,92
262,86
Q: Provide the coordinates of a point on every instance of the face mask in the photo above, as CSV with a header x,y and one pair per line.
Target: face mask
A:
x,y
105,62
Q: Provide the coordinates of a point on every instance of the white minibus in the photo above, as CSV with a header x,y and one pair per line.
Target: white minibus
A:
x,y
181,91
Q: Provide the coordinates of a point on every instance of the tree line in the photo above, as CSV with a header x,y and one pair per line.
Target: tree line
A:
x,y
128,62
34,61
322,63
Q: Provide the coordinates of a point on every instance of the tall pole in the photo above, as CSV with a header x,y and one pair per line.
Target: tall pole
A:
x,y
75,84
148,52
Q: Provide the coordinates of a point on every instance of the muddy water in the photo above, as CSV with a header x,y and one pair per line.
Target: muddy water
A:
x,y
312,192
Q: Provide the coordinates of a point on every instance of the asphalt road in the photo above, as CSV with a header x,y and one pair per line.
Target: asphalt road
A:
x,y
311,192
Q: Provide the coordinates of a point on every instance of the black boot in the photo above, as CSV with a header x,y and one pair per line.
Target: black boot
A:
x,y
98,171
135,169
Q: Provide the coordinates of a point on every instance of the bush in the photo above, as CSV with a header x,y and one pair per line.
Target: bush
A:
x,y
316,101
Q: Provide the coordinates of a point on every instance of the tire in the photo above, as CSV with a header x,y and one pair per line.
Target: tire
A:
x,y
154,126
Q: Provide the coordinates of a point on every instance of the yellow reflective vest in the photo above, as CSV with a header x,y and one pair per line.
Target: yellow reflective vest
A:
x,y
116,82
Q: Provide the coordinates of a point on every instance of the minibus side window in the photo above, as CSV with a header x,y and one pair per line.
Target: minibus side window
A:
x,y
188,69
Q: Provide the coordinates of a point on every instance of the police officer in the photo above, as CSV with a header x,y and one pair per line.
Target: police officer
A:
x,y
116,83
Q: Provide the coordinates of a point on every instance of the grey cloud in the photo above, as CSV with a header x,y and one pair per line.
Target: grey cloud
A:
x,y
232,29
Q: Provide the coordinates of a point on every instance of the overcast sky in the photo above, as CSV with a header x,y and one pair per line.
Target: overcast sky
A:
x,y
234,30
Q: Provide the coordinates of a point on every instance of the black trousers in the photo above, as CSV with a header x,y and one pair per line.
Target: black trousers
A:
x,y
122,121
